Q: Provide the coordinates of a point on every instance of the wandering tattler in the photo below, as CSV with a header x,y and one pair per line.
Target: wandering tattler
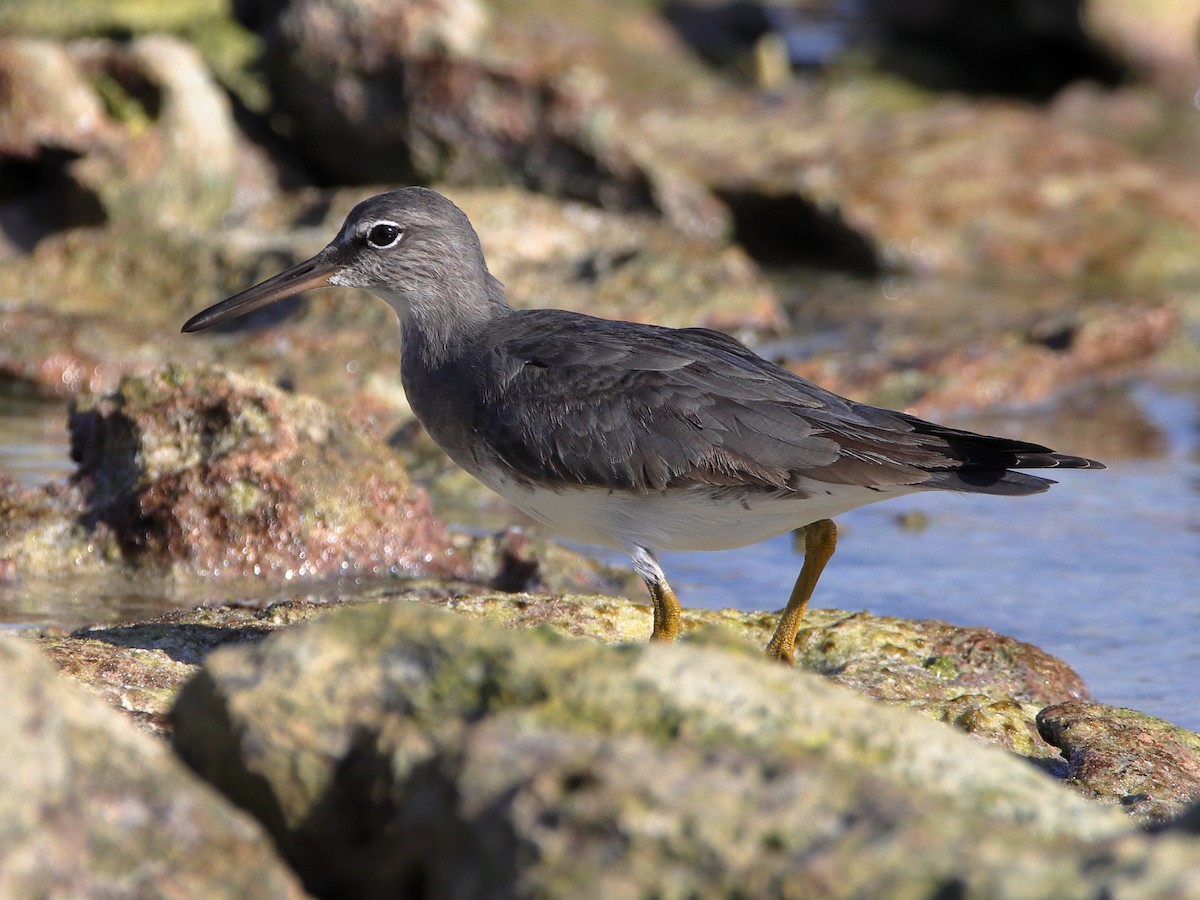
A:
x,y
631,436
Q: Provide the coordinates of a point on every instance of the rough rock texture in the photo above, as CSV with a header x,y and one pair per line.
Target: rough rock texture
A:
x,y
514,561
90,808
1150,768
467,755
985,684
202,472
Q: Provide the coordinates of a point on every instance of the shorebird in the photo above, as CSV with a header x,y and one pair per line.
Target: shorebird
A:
x,y
631,436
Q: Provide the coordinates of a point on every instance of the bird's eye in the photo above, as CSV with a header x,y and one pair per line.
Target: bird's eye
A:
x,y
384,234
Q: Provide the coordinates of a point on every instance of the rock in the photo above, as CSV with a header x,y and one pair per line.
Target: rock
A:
x,y
174,115
134,133
467,755
1121,757
846,177
88,807
1160,41
48,107
943,349
823,185
986,684
387,93
138,668
515,561
202,472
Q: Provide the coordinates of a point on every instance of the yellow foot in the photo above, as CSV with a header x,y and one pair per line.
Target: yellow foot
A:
x,y
666,613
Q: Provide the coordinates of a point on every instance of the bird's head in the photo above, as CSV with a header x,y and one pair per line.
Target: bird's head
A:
x,y
412,247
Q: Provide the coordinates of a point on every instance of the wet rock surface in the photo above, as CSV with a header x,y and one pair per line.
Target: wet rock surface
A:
x,y
1148,767
89,807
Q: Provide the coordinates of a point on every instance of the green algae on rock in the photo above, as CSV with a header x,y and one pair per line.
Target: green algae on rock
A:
x,y
986,684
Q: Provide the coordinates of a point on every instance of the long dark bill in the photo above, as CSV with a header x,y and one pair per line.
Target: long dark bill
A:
x,y
312,273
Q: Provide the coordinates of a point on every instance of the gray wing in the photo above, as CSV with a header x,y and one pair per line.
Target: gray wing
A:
x,y
643,408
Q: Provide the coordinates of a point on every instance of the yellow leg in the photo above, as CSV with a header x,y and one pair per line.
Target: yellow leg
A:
x,y
820,540
666,612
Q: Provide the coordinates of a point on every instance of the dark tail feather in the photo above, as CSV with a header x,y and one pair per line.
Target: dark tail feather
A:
x,y
986,464
1045,459
989,481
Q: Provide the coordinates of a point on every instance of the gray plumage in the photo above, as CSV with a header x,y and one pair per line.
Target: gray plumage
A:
x,y
564,398
580,400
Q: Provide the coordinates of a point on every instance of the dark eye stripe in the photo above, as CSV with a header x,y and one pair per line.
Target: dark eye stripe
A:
x,y
384,234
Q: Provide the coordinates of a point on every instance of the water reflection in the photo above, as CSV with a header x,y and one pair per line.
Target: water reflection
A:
x,y
33,441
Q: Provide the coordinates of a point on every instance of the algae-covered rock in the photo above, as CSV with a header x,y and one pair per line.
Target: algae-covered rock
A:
x,y
203,472
90,808
986,684
1148,767
465,754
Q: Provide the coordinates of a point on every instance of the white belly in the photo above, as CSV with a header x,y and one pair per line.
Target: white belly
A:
x,y
692,519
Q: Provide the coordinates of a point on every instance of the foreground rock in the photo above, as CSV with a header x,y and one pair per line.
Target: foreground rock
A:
x,y
202,472
89,807
470,756
986,684
989,686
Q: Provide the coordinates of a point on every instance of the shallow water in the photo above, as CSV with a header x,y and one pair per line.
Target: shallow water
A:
x,y
33,441
1102,571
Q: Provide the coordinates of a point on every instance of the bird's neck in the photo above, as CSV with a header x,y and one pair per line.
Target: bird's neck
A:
x,y
437,325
